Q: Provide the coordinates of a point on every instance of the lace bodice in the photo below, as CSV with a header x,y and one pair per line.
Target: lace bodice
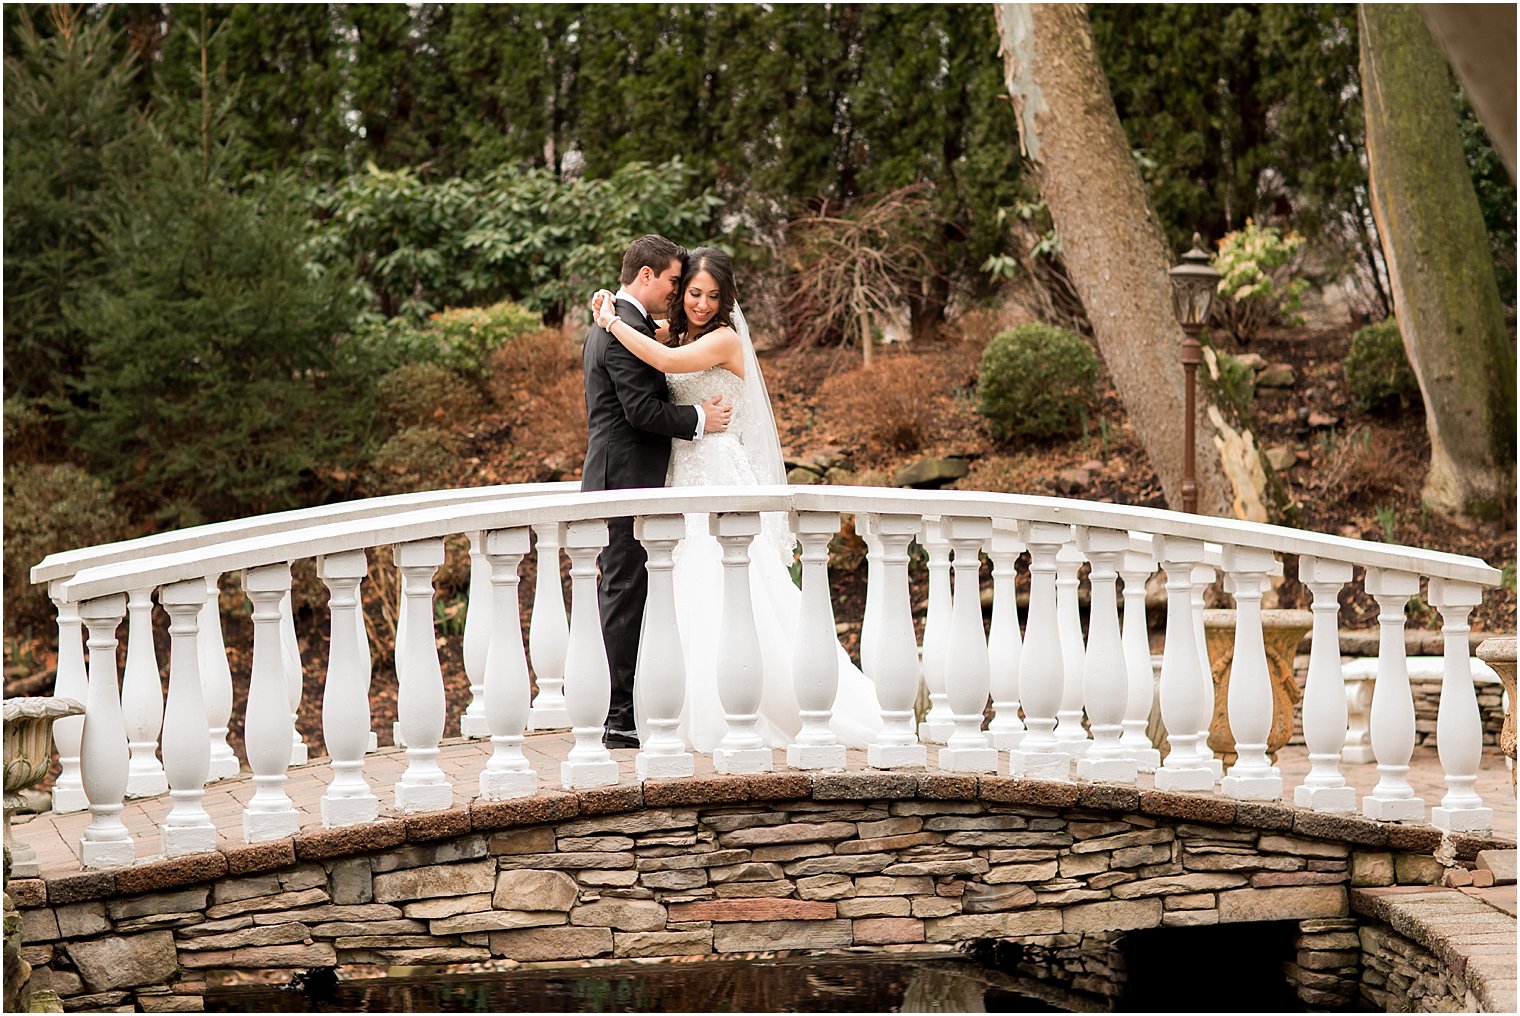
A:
x,y
716,460
689,389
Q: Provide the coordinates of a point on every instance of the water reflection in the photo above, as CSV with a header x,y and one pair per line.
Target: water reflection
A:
x,y
822,984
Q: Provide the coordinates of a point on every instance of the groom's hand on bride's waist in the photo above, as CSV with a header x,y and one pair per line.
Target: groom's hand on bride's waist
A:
x,y
716,415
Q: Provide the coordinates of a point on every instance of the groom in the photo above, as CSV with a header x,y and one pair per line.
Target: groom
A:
x,y
630,422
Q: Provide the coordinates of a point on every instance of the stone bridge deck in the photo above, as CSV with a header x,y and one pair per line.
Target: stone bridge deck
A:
x,y
56,837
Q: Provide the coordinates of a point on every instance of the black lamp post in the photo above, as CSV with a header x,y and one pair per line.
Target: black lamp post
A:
x,y
1193,287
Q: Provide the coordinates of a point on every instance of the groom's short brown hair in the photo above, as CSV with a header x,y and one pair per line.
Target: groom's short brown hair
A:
x,y
651,251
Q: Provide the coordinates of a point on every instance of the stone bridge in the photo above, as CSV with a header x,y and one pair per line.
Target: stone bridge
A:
x,y
724,864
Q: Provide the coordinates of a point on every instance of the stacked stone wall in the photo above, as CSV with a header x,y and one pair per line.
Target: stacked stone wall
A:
x,y
700,867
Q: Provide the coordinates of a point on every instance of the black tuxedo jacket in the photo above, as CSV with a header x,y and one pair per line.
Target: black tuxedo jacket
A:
x,y
629,417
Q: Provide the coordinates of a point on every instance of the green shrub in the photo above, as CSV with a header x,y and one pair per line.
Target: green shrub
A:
x,y
1377,369
1231,381
416,394
417,458
1257,287
1037,382
49,508
461,339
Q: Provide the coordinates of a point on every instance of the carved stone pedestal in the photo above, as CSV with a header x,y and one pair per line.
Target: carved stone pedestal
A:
x,y
1282,631
1500,654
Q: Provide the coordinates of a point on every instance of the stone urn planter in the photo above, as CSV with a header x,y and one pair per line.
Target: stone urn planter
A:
x,y
1500,654
28,753
1282,631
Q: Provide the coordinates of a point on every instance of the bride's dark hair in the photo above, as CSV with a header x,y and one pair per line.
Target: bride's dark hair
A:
x,y
717,264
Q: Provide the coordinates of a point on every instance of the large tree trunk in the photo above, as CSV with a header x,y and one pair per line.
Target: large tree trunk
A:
x,y
1115,251
1444,291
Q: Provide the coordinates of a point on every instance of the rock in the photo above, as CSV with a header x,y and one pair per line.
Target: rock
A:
x,y
529,889
827,459
1255,361
1281,457
126,961
1417,869
1321,420
1501,863
1371,869
352,882
495,920
540,944
1000,925
825,887
1277,375
1092,466
441,880
662,943
1114,915
448,906
930,473
801,475
181,902
763,909
1073,481
1281,904
876,906
766,935
623,915
1007,873
888,931
268,934
985,899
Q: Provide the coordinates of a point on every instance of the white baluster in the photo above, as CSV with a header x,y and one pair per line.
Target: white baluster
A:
x,y
71,682
419,698
103,744
295,677
588,680
660,671
1135,568
187,829
1105,675
142,700
1459,726
548,632
1042,671
477,640
1203,577
896,650
216,683
345,697
1253,777
1324,708
937,725
1392,800
1181,682
741,673
1358,747
815,660
1069,731
1004,643
507,694
968,669
270,814
870,622
364,666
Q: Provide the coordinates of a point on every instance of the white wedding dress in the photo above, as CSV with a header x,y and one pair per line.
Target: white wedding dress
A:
x,y
726,459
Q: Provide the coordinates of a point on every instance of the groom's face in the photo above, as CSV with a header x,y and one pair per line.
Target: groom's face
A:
x,y
664,286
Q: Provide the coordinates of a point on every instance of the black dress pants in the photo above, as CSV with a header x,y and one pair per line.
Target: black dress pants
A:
x,y
620,596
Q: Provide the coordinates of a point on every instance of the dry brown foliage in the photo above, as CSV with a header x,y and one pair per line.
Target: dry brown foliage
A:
x,y
1365,464
888,406
536,381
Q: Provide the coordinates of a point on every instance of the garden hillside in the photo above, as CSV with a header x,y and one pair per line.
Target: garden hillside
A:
x,y
258,257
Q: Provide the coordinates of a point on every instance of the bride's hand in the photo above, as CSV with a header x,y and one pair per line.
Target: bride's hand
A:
x,y
603,308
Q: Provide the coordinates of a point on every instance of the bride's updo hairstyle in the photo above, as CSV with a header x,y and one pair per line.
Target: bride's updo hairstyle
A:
x,y
717,264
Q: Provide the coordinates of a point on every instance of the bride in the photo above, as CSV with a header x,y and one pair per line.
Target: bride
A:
x,y
710,353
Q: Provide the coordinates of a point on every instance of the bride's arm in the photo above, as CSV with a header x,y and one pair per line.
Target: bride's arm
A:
x,y
718,347
604,296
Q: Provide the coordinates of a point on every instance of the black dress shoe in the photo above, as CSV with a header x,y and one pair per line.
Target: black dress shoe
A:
x,y
620,739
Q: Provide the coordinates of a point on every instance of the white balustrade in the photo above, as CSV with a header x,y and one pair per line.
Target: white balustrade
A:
x,y
1253,777
548,632
741,673
72,681
815,659
937,725
419,695
1042,671
216,683
270,814
1136,568
142,699
660,670
295,677
1324,706
365,662
1182,693
870,622
187,829
507,694
103,743
968,670
897,671
477,640
345,698
588,680
1392,800
1072,736
1004,643
1203,577
1459,726
1105,676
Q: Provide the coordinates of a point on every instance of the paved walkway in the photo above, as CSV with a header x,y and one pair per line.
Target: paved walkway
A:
x,y
56,837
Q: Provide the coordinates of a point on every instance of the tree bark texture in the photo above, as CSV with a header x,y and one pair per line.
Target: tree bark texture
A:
x,y
1479,42
1444,291
1116,252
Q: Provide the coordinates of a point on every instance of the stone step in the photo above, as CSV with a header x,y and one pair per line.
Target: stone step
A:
x,y
1499,862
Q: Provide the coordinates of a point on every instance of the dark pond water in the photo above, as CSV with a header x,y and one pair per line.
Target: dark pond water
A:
x,y
827,984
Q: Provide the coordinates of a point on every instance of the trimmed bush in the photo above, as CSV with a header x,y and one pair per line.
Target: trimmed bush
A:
x,y
49,508
461,339
1377,369
416,394
417,458
1037,382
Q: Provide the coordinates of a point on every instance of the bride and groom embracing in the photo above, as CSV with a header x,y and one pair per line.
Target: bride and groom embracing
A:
x,y
692,411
